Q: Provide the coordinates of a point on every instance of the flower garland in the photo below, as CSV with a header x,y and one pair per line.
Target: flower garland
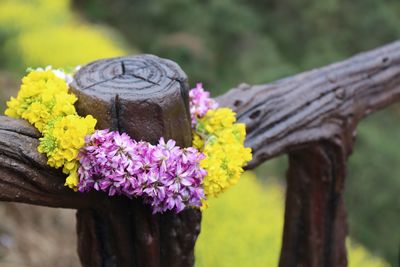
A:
x,y
44,101
220,138
164,175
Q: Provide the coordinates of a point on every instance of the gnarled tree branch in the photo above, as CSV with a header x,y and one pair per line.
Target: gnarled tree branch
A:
x,y
317,104
24,174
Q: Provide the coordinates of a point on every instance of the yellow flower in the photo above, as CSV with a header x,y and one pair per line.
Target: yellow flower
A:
x,y
72,181
13,107
37,114
63,140
42,98
70,167
44,101
222,140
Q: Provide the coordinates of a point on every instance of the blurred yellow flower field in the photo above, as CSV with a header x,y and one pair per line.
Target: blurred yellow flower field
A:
x,y
243,227
45,32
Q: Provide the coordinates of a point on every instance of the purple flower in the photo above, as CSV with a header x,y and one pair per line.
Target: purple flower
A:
x,y
164,175
200,103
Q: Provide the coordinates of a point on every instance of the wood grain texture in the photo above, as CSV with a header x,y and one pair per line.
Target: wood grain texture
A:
x,y
311,116
146,97
24,174
315,105
315,227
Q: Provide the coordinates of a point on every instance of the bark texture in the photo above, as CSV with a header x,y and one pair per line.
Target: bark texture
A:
x,y
315,221
24,174
315,105
311,116
146,97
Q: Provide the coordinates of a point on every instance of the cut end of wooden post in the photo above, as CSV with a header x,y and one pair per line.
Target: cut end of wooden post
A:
x,y
144,96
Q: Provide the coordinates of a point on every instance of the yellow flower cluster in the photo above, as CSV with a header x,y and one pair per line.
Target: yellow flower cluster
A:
x,y
61,142
222,141
44,101
69,41
253,244
42,98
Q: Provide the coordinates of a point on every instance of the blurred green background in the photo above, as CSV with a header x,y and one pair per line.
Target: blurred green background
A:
x,y
223,43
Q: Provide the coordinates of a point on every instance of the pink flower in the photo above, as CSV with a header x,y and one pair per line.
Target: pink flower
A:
x,y
165,176
200,103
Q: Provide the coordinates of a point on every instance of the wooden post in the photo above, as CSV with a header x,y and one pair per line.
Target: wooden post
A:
x,y
146,97
315,221
311,116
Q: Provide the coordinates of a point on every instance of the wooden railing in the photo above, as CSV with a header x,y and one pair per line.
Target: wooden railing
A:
x,y
311,116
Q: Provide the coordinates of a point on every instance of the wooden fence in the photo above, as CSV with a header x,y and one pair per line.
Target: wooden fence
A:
x,y
312,117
